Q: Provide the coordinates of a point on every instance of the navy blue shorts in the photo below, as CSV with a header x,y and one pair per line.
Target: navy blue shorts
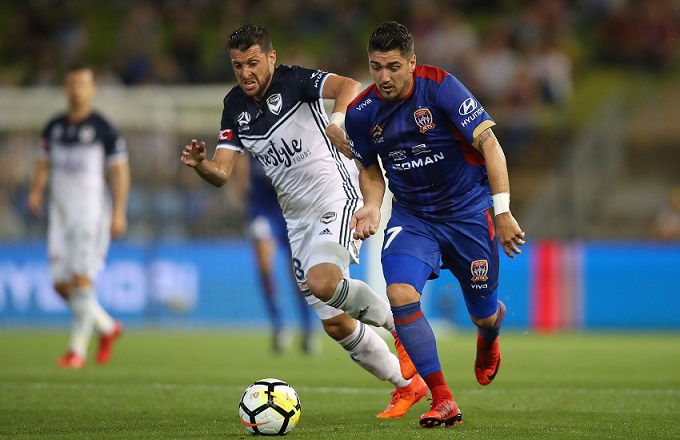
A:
x,y
414,250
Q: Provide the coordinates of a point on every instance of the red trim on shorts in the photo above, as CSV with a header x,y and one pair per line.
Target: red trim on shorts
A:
x,y
492,228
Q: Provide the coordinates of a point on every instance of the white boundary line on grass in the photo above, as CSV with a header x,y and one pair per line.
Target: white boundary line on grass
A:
x,y
341,390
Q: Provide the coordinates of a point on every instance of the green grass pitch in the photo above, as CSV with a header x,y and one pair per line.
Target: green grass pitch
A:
x,y
187,384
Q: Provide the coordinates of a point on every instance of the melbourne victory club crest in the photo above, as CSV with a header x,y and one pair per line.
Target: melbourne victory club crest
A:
x,y
328,217
86,134
479,270
274,103
423,117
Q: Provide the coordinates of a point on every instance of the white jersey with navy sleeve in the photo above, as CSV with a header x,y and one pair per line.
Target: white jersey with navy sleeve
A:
x,y
79,154
286,134
317,187
80,204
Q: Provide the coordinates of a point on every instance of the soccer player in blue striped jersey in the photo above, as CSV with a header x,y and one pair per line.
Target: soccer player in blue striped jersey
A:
x,y
446,171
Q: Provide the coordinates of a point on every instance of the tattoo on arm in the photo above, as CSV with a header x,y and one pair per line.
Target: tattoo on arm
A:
x,y
483,137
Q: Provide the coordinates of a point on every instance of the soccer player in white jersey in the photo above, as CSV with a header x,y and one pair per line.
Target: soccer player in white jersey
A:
x,y
277,114
79,149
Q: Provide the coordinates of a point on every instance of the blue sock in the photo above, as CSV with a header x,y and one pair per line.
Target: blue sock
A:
x,y
417,337
490,334
306,318
271,302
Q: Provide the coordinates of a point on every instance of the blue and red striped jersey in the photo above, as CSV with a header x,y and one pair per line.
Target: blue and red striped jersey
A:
x,y
424,143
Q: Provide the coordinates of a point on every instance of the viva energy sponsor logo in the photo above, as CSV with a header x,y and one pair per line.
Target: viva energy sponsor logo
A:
x,y
363,104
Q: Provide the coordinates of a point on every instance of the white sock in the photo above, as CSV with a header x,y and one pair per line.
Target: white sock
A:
x,y
368,349
359,301
83,320
103,322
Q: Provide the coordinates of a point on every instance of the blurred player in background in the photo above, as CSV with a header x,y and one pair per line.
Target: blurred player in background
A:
x,y
268,232
277,114
443,164
79,149
666,224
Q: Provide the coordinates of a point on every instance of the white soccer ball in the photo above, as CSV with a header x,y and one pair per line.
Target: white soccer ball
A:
x,y
269,407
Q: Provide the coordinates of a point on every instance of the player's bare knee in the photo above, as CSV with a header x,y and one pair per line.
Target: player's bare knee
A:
x,y
320,287
322,283
80,281
485,322
339,327
400,294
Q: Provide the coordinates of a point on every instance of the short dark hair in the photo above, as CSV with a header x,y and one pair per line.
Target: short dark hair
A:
x,y
248,35
79,65
391,36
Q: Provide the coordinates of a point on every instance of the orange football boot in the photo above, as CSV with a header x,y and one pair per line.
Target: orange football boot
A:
x,y
404,398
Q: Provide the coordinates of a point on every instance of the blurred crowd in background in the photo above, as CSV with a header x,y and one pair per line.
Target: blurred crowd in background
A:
x,y
182,41
520,58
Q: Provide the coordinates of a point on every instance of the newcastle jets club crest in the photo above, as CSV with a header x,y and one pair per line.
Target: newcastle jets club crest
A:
x,y
423,117
479,270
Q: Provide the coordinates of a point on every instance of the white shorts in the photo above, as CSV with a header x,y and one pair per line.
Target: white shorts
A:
x,y
326,238
77,247
260,228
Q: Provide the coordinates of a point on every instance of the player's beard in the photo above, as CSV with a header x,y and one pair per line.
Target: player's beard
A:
x,y
262,85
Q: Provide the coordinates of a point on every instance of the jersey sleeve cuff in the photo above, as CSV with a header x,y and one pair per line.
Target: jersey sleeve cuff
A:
x,y
481,127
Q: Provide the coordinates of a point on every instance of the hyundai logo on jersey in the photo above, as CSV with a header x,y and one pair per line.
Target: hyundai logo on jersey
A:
x,y
467,107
